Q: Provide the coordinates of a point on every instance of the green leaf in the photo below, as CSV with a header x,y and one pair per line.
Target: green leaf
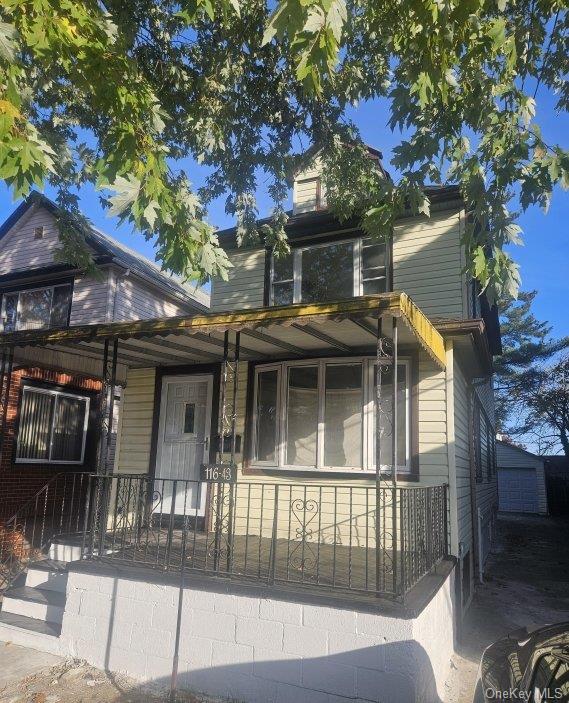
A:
x,y
8,36
127,190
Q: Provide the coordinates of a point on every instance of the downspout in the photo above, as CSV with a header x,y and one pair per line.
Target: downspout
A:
x,y
119,279
451,448
473,498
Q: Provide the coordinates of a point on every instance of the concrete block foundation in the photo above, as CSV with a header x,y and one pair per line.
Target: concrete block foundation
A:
x,y
248,648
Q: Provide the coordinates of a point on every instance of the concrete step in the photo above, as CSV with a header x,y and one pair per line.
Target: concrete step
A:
x,y
29,632
48,575
65,551
35,603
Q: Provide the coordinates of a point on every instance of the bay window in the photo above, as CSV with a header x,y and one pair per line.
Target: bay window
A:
x,y
36,308
52,427
331,271
320,414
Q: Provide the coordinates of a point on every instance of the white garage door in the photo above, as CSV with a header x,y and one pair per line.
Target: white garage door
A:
x,y
517,490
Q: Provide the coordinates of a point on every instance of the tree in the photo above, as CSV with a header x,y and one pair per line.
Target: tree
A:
x,y
528,353
547,402
119,94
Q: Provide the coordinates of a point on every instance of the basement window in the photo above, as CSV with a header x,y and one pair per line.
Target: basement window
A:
x,y
53,427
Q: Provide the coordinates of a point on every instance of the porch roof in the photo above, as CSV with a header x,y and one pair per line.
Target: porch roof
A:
x,y
268,332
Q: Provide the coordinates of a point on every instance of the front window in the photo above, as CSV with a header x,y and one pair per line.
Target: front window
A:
x,y
329,272
37,308
53,427
326,418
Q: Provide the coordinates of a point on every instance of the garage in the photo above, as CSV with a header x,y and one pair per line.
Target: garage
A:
x,y
521,480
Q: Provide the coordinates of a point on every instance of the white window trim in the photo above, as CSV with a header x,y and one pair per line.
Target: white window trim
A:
x,y
368,424
297,267
49,391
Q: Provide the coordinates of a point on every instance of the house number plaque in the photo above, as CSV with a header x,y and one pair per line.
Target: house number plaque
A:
x,y
218,473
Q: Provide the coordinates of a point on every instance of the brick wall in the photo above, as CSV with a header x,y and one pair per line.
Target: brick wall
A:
x,y
20,482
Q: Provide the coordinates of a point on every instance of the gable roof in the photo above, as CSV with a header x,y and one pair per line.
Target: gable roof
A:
x,y
109,249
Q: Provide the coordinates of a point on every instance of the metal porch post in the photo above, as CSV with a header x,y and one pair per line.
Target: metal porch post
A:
x,y
394,443
233,448
379,564
219,489
106,409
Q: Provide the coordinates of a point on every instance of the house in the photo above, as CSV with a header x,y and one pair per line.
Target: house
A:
x,y
304,485
521,480
37,292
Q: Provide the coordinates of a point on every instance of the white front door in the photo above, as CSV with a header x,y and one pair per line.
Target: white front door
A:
x,y
183,442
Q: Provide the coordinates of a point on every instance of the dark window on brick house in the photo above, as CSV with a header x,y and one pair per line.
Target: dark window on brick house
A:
x,y
53,427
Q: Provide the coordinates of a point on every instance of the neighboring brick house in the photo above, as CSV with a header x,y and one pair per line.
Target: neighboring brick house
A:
x,y
51,418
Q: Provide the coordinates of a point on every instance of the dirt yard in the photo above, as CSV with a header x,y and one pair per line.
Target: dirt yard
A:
x,y
70,681
527,583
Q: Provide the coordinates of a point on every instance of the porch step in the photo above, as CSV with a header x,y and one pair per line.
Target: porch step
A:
x,y
66,549
29,632
35,603
48,575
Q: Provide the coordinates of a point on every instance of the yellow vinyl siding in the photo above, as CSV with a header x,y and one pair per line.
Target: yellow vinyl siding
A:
x,y
487,490
245,285
427,263
135,423
462,432
305,188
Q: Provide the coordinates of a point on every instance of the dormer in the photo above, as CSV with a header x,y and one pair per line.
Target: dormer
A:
x,y
309,193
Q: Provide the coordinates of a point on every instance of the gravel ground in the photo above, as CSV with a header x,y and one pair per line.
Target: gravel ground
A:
x,y
527,583
72,681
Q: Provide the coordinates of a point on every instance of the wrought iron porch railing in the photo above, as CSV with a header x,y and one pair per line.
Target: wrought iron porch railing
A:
x,y
58,508
341,538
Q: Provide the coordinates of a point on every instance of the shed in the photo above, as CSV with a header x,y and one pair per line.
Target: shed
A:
x,y
521,480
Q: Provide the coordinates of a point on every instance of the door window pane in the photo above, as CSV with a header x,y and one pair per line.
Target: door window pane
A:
x,y
267,416
189,415
386,413
67,441
302,415
327,273
343,422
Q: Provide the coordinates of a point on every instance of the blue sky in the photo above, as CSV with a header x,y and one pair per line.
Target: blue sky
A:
x,y
544,259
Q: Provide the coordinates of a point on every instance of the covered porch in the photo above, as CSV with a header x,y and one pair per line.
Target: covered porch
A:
x,y
210,501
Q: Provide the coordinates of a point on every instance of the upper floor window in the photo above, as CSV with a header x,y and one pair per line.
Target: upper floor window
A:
x,y
329,271
53,427
36,308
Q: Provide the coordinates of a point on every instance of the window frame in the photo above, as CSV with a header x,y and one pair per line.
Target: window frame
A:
x,y
19,291
368,416
56,393
358,280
